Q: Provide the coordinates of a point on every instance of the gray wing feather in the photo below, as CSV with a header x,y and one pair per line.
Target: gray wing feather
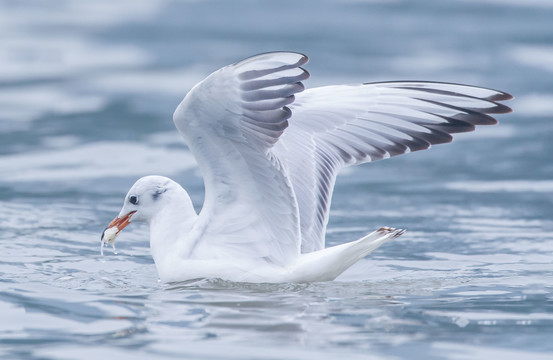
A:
x,y
337,126
231,121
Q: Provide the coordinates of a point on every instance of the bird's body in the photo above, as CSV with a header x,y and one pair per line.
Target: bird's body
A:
x,y
270,158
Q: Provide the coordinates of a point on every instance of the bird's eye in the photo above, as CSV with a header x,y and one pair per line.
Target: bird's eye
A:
x,y
133,200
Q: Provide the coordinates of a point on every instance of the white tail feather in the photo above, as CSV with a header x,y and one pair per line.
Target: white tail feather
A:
x,y
328,263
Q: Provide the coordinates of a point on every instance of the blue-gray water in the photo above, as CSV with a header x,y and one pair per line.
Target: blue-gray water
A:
x,y
87,90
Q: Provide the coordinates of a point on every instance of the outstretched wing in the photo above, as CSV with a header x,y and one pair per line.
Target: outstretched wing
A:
x,y
231,121
337,126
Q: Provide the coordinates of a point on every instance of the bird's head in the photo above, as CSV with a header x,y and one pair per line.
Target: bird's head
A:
x,y
146,199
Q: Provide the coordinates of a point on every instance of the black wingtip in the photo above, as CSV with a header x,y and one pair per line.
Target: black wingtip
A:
x,y
498,109
500,96
506,109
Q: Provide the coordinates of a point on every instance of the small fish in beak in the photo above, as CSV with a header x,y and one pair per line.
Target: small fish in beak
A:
x,y
113,229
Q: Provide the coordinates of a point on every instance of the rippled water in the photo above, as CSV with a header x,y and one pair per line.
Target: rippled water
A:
x,y
87,90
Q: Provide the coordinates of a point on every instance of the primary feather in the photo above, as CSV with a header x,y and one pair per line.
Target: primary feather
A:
x,y
337,126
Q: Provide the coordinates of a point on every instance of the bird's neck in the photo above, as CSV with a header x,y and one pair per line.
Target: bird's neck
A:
x,y
169,230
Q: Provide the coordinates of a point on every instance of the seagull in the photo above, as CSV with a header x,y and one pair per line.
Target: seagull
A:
x,y
269,151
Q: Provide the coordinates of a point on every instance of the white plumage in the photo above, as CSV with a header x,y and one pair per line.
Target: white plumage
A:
x,y
270,152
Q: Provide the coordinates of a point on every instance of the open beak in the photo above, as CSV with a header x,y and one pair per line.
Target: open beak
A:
x,y
115,226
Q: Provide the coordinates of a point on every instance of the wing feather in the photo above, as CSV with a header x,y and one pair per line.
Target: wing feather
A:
x,y
352,124
231,121
270,153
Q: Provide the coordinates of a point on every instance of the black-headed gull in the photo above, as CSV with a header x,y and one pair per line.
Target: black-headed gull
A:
x,y
270,152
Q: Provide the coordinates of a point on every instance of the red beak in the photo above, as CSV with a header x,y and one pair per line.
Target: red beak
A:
x,y
120,223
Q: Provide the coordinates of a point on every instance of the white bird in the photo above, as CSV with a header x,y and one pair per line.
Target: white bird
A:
x,y
269,153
